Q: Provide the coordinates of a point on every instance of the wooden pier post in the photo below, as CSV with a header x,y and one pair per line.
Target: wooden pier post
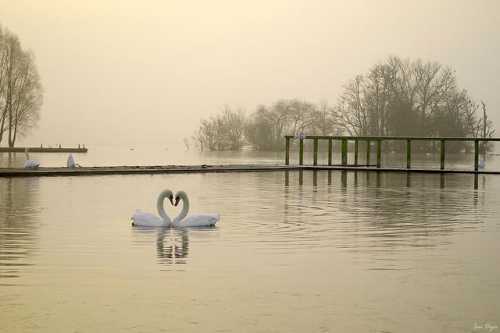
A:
x,y
301,152
368,152
408,154
379,153
356,149
330,148
315,154
287,151
476,155
344,151
443,149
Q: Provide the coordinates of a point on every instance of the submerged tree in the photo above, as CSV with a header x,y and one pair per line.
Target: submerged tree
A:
x,y
268,125
221,132
20,89
408,98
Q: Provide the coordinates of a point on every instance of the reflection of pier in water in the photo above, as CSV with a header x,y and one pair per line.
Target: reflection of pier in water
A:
x,y
17,225
382,212
377,176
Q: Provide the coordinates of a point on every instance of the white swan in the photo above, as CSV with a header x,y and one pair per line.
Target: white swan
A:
x,y
145,219
193,220
30,164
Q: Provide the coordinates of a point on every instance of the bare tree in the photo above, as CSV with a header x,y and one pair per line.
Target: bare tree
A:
x,y
20,89
269,124
222,132
407,98
3,75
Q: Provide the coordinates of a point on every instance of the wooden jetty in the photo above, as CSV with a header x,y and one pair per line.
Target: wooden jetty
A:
x,y
135,170
378,140
178,169
41,149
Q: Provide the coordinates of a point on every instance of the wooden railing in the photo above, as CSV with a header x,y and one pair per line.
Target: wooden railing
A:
x,y
378,140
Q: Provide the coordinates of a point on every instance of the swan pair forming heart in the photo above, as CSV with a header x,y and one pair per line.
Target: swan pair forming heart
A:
x,y
145,219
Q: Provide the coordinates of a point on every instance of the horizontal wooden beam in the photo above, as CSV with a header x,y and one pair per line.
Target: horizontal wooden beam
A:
x,y
166,169
374,138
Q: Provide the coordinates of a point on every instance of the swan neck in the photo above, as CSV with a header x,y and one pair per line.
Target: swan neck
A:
x,y
161,209
185,207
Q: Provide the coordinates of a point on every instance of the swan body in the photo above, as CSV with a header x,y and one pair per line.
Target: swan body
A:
x,y
145,219
30,164
198,220
193,220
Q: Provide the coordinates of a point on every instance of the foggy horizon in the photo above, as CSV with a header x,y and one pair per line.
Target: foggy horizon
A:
x,y
154,69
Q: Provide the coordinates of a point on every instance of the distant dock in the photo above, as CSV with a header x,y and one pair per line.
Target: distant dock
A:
x,y
41,149
177,169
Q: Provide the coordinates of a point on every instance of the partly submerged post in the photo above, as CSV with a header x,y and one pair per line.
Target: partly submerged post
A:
x,y
330,147
379,153
476,155
287,151
408,153
443,145
344,151
315,153
301,151
356,149
368,152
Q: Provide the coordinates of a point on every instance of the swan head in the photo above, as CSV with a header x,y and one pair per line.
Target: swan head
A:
x,y
166,194
181,195
170,197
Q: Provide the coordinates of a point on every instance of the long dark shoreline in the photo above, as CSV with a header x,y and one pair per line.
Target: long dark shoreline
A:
x,y
172,169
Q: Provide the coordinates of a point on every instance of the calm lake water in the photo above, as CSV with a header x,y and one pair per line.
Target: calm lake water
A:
x,y
116,155
343,252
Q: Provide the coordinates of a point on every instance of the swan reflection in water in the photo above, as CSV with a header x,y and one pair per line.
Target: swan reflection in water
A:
x,y
172,245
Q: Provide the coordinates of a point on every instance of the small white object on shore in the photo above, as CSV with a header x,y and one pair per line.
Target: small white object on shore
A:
x,y
30,164
71,162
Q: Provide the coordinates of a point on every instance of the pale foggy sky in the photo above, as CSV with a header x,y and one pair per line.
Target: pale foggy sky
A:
x,y
118,71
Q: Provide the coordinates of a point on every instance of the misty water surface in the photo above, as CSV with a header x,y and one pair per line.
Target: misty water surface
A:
x,y
360,252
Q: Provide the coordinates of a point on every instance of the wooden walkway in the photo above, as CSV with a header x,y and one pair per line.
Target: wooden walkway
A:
x,y
171,169
43,150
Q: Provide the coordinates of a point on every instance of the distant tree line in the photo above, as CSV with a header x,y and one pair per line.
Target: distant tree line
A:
x,y
265,128
395,98
20,89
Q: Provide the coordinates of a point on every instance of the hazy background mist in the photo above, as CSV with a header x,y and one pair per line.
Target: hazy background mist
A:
x,y
147,71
